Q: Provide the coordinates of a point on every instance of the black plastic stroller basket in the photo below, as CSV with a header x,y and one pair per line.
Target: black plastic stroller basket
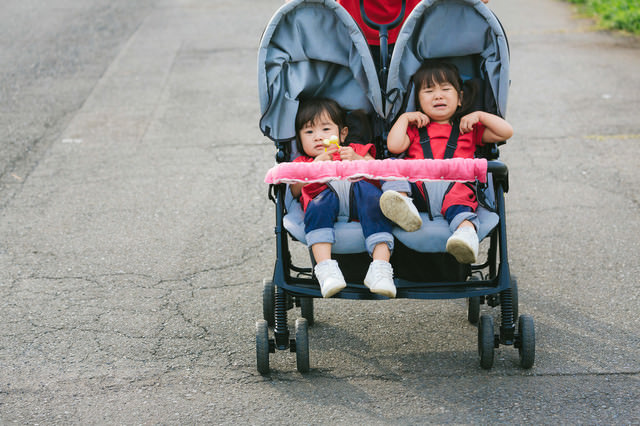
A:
x,y
314,48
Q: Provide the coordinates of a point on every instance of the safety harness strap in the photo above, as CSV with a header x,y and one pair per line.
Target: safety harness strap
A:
x,y
452,143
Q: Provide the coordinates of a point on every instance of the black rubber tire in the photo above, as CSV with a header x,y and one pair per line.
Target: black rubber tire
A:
x,y
302,345
262,346
473,305
306,309
486,341
269,302
527,341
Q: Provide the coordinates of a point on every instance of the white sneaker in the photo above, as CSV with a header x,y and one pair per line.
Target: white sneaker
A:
x,y
463,245
379,278
401,210
330,277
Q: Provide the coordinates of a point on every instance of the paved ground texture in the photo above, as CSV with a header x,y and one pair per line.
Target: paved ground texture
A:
x,y
135,232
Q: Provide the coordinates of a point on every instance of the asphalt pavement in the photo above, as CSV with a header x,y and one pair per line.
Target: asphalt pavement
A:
x,y
135,232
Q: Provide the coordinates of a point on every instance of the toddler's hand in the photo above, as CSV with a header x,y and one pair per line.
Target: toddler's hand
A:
x,y
347,153
327,155
416,118
468,121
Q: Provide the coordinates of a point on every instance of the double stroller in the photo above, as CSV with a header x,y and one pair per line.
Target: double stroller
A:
x,y
313,48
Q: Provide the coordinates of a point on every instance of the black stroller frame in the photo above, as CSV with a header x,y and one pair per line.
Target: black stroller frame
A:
x,y
488,283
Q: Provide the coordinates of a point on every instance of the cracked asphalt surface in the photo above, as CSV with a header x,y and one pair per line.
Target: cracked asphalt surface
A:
x,y
135,233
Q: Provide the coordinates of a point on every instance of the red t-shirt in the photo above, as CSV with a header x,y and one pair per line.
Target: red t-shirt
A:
x,y
311,190
380,12
439,136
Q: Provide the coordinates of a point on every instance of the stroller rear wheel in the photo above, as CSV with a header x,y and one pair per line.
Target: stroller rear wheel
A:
x,y
526,341
302,345
269,302
262,346
486,341
473,305
306,309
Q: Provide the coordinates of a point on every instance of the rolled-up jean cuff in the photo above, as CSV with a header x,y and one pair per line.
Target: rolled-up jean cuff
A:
x,y
379,237
461,217
320,235
397,185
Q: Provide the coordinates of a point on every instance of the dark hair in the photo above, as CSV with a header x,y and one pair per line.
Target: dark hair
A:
x,y
311,109
433,72
359,126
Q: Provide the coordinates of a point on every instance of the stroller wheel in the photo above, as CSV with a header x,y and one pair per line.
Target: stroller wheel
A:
x,y
526,341
306,309
262,346
473,305
268,302
302,345
486,341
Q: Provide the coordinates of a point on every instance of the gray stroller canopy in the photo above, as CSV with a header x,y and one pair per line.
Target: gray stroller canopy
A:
x,y
313,48
464,32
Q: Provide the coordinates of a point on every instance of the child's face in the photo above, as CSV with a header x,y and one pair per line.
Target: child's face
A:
x,y
439,102
314,133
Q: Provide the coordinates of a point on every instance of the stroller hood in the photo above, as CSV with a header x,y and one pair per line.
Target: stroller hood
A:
x,y
464,32
313,48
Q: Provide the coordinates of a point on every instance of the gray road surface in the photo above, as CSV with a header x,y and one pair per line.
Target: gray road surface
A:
x,y
135,233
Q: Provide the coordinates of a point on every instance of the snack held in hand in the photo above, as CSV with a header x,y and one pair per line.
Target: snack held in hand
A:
x,y
332,140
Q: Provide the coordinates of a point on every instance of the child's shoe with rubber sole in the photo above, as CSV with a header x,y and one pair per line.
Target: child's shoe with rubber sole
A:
x,y
400,209
463,245
330,277
379,278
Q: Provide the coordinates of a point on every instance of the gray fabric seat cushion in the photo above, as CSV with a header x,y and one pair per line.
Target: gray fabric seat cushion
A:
x,y
430,238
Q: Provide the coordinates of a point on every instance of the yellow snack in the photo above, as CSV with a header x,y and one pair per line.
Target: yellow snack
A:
x,y
332,140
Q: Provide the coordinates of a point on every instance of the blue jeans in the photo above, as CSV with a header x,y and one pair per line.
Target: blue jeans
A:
x,y
364,206
454,215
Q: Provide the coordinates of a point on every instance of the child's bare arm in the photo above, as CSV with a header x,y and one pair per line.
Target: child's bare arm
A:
x,y
496,129
397,140
296,189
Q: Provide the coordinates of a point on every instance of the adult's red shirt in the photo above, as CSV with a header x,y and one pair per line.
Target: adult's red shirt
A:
x,y
381,12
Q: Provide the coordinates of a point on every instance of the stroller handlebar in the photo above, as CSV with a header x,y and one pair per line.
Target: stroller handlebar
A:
x,y
388,26
383,30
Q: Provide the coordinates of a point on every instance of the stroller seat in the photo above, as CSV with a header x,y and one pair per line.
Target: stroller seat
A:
x,y
430,238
